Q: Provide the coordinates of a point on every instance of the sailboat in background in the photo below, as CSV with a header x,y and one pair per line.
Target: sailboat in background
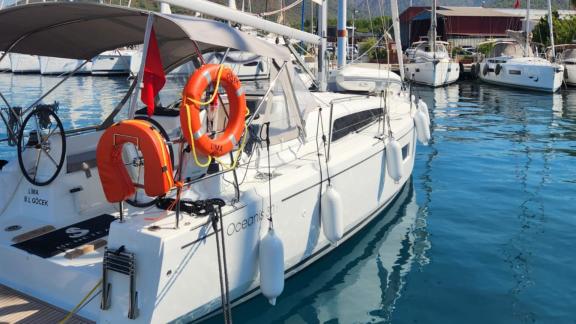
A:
x,y
429,60
512,63
24,63
57,65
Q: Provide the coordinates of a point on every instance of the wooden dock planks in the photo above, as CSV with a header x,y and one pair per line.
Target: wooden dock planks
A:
x,y
16,307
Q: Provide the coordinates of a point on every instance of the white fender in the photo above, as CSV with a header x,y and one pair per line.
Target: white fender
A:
x,y
271,260
424,108
332,215
422,128
394,159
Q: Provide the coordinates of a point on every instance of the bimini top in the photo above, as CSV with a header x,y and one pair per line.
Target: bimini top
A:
x,y
84,30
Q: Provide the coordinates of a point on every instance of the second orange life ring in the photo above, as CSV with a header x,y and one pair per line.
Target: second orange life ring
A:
x,y
116,181
190,110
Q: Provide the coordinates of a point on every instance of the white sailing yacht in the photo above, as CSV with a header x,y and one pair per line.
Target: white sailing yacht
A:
x,y
206,203
113,62
429,60
23,63
56,65
512,63
567,57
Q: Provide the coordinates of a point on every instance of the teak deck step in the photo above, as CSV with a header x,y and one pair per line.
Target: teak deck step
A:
x,y
16,307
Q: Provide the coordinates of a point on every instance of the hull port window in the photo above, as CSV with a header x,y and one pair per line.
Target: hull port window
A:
x,y
354,122
405,152
515,72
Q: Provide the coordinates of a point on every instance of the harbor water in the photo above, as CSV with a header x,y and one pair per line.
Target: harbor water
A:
x,y
483,233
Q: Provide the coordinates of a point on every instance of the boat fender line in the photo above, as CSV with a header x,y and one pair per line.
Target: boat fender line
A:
x,y
394,159
116,182
422,127
270,248
485,69
191,108
498,69
332,215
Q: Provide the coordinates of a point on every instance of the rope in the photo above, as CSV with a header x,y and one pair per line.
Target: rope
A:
x,y
75,309
270,219
222,268
220,69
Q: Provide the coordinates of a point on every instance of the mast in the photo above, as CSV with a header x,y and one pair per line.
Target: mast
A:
x,y
527,45
551,24
396,25
322,31
342,33
433,29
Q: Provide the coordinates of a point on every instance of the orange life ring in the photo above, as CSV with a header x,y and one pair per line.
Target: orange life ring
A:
x,y
190,110
116,181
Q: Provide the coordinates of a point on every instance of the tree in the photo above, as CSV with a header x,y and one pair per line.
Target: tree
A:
x,y
564,29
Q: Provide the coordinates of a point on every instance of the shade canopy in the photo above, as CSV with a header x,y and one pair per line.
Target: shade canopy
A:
x,y
84,30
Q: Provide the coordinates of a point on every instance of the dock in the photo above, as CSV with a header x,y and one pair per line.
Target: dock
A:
x,y
16,307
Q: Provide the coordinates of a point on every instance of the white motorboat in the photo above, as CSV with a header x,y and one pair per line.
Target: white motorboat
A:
x,y
23,63
57,65
566,55
5,62
304,172
113,62
429,61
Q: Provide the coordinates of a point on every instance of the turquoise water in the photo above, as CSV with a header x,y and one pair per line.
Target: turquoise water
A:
x,y
484,233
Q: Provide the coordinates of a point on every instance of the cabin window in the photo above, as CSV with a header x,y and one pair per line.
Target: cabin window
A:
x,y
405,152
515,72
354,122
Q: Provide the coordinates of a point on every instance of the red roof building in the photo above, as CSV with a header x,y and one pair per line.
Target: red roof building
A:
x,y
458,25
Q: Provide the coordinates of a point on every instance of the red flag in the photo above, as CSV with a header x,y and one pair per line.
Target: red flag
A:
x,y
517,4
154,77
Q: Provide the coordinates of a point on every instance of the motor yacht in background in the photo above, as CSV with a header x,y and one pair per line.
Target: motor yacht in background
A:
x,y
23,63
56,66
429,60
113,62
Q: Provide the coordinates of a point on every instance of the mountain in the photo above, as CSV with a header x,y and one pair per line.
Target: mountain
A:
x,y
365,8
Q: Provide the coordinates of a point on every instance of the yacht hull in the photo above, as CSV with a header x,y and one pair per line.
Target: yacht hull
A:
x,y
570,74
57,65
23,63
434,75
5,63
547,78
185,281
112,63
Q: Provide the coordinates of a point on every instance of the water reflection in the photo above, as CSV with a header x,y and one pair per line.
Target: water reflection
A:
x,y
359,282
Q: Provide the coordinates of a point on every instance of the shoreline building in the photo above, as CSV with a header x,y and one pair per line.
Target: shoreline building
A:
x,y
461,26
